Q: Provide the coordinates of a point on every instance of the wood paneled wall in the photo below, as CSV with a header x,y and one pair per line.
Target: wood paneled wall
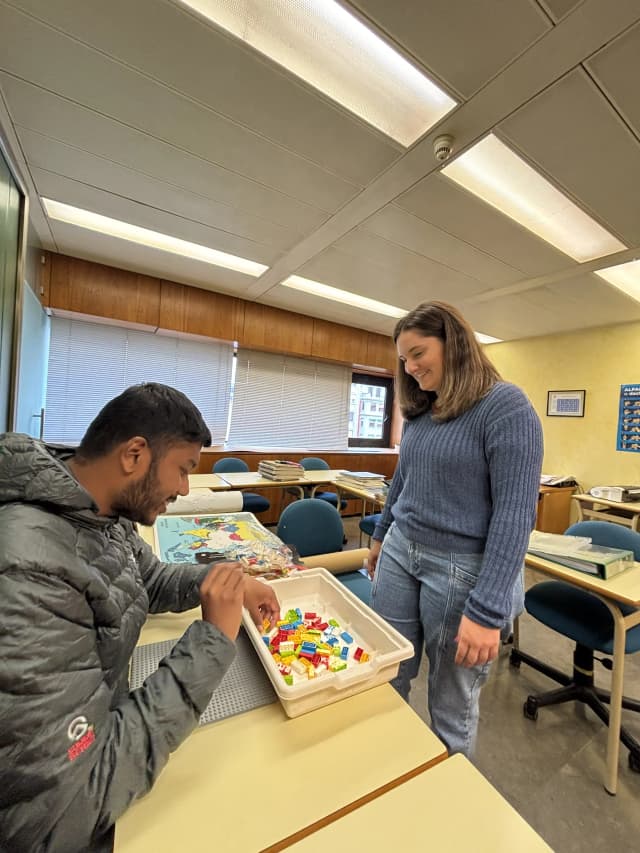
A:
x,y
352,460
71,285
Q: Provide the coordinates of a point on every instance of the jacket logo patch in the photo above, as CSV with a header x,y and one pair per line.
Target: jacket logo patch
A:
x,y
81,732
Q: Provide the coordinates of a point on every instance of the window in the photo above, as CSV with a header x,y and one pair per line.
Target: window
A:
x,y
285,402
370,408
90,363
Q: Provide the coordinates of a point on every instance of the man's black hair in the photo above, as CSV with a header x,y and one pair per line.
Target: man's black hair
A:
x,y
159,413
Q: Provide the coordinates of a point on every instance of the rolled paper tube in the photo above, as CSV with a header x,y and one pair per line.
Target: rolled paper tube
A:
x,y
338,561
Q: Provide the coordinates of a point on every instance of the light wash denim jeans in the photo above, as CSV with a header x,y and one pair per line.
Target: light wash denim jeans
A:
x,y
422,593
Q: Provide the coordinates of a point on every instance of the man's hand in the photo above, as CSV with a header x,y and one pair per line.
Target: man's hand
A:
x,y
476,644
221,597
372,559
261,602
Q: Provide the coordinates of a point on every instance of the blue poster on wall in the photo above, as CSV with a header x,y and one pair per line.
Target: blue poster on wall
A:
x,y
629,419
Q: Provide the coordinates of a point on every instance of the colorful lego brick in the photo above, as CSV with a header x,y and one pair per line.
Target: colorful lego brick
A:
x,y
344,652
288,680
347,637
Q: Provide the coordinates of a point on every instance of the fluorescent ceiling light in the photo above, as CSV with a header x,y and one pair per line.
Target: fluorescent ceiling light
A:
x,y
145,237
626,277
500,177
315,288
333,51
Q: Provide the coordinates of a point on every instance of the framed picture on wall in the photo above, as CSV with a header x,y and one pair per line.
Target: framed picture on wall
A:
x,y
565,404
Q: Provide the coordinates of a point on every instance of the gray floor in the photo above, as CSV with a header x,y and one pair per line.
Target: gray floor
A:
x,y
551,770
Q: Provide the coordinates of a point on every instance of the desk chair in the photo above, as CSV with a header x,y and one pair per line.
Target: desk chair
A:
x,y
251,502
313,526
315,463
581,616
367,525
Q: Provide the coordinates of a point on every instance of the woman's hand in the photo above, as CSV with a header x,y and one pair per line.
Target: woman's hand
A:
x,y
477,645
372,559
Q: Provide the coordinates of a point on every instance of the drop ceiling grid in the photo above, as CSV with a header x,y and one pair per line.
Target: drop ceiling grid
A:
x,y
55,167
445,205
58,121
403,229
616,69
116,207
466,48
218,71
84,76
571,132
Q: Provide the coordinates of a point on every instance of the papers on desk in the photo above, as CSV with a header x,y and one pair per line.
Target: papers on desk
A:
x,y
362,480
204,500
578,552
280,469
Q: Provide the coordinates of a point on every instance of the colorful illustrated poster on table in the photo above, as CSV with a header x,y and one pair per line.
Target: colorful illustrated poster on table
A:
x,y
232,536
629,419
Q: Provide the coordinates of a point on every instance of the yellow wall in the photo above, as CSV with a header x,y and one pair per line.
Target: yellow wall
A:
x,y
598,360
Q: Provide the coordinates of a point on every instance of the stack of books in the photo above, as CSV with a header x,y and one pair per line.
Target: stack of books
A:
x,y
280,469
361,480
581,554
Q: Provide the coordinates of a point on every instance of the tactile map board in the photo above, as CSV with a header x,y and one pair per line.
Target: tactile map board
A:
x,y
244,687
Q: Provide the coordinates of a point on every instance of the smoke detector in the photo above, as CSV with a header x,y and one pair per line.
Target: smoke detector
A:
x,y
442,147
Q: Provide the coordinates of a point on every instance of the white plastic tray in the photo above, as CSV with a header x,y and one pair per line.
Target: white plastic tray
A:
x,y
318,590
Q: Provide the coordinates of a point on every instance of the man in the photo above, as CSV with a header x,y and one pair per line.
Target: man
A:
x,y
76,583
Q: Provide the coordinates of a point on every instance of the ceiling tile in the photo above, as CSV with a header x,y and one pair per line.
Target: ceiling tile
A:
x,y
464,47
617,70
404,229
86,131
90,198
463,215
57,63
47,157
387,273
572,133
559,8
217,70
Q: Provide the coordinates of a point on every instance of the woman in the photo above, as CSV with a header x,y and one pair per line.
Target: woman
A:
x,y
450,544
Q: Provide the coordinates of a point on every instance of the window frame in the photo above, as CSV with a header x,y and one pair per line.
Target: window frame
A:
x,y
387,382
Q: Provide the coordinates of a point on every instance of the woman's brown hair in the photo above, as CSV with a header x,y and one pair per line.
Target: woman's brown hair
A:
x,y
467,374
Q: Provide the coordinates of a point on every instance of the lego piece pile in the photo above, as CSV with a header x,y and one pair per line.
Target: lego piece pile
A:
x,y
305,645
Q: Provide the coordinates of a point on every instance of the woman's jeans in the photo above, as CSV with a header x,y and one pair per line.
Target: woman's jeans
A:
x,y
422,593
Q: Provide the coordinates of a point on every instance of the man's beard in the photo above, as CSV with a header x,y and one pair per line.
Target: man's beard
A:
x,y
141,501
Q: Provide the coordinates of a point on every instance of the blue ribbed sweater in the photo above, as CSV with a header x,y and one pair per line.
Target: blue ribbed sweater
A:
x,y
470,485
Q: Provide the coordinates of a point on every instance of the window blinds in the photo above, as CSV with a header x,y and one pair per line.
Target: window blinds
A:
x,y
90,363
285,402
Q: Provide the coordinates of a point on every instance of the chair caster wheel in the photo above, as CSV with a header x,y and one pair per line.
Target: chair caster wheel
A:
x,y
514,659
530,709
634,762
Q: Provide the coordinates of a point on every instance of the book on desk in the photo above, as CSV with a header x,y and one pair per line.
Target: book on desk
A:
x,y
595,560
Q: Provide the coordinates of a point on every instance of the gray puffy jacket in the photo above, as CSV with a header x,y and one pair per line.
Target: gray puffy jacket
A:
x,y
76,747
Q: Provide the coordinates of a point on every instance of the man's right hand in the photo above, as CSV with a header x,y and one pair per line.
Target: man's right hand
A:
x,y
221,596
372,559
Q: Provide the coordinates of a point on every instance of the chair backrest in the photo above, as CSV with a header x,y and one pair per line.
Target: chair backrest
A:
x,y
229,465
314,463
312,526
609,534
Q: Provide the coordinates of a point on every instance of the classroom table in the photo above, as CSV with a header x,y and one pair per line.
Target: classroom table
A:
x,y
624,588
258,781
599,509
452,807
208,481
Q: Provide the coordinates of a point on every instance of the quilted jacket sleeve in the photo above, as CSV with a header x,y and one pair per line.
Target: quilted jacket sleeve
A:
x,y
72,761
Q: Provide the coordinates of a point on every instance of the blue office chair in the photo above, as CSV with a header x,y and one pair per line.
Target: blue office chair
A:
x,y
584,618
251,502
313,526
315,463
367,525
